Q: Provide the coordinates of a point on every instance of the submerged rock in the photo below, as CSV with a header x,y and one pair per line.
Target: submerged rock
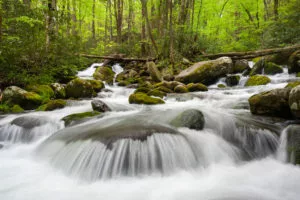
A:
x,y
100,106
142,98
272,103
294,101
293,143
78,118
104,74
257,80
191,118
206,72
29,122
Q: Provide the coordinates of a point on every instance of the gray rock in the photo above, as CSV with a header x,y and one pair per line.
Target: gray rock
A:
x,y
29,121
294,101
100,106
293,144
191,118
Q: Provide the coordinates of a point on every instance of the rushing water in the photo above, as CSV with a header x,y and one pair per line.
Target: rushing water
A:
x,y
235,157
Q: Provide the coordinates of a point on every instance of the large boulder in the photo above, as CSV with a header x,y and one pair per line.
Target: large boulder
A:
x,y
191,118
100,106
77,118
29,122
80,88
293,144
53,105
181,89
239,66
294,101
206,72
104,74
142,98
154,72
196,87
14,95
45,91
257,80
59,90
263,66
294,62
271,103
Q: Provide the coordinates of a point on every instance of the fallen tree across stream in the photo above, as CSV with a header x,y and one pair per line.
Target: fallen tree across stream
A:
x,y
118,57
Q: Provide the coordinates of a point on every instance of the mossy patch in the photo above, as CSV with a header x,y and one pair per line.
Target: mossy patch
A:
x,y
272,68
71,119
292,84
4,108
45,91
53,105
181,89
142,98
156,93
104,74
221,86
257,80
80,88
195,87
17,109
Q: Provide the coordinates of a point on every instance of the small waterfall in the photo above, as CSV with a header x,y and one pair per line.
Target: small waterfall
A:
x,y
117,69
88,73
281,153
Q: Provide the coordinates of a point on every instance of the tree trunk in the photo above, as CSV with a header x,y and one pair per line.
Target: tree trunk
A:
x,y
143,33
266,8
27,3
74,18
130,19
50,22
118,5
1,13
171,33
93,21
276,2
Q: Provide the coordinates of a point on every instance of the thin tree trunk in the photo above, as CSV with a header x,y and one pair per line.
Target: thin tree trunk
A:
x,y
50,22
118,5
276,2
106,22
1,13
74,18
171,33
143,33
110,21
130,19
193,13
93,21
266,14
198,17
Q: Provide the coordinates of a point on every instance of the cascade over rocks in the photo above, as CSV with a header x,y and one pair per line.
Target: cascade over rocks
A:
x,y
294,101
272,103
100,106
206,72
191,118
266,67
104,73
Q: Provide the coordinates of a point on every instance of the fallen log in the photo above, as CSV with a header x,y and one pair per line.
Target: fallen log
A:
x,y
118,58
252,54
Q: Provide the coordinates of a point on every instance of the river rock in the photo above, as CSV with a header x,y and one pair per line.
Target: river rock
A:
x,y
100,106
196,87
53,105
29,122
257,80
294,101
293,144
181,89
79,118
80,88
206,72
272,103
142,98
191,118
232,80
294,62
14,95
154,72
239,66
104,74
45,91
266,67
59,90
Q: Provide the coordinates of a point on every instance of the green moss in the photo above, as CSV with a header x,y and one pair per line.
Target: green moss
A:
x,y
142,89
194,87
157,93
256,59
4,108
31,100
79,88
17,109
79,116
164,89
292,84
298,74
257,80
221,86
104,74
52,105
45,91
271,68
97,85
181,89
142,98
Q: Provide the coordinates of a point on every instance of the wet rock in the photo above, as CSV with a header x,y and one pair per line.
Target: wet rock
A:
x,y
100,106
293,144
196,87
257,80
239,66
263,66
294,101
232,80
53,105
181,89
169,77
59,90
29,122
191,118
142,98
45,91
156,93
271,103
78,118
206,72
154,72
292,84
221,86
104,74
80,88
294,62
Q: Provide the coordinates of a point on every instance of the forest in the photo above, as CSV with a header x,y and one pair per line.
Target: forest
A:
x,y
41,41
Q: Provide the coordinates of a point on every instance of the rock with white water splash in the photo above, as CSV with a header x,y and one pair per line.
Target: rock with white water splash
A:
x,y
100,106
206,72
191,118
29,121
104,74
294,101
293,144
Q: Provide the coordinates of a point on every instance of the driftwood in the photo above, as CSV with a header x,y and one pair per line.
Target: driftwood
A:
x,y
119,58
252,54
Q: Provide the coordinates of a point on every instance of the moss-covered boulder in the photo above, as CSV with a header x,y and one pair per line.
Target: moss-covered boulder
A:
x,y
294,101
59,90
142,89
142,98
292,84
293,144
239,66
156,93
78,118
164,89
100,106
271,103
191,118
104,74
45,91
181,89
168,84
196,87
221,86
263,66
16,96
17,109
232,80
206,72
294,62
53,105
257,80
154,72
80,88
